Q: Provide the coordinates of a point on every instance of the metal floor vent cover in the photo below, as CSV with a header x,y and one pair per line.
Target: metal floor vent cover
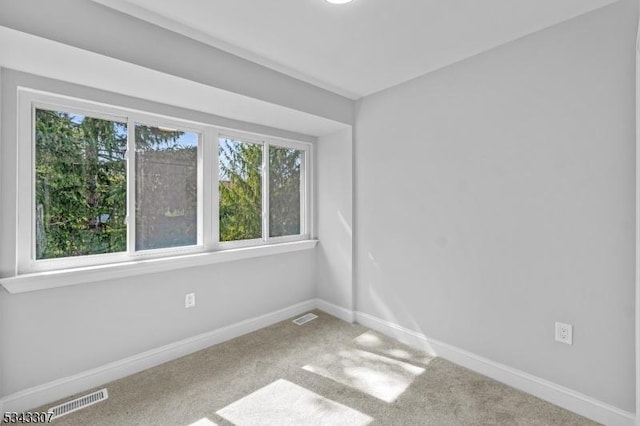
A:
x,y
305,318
79,403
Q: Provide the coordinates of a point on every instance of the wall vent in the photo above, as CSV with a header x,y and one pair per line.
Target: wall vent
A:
x,y
305,318
79,403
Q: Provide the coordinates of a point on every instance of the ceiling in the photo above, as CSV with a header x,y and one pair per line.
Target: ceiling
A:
x,y
26,52
359,48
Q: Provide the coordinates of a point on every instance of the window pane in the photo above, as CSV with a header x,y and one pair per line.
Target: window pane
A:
x,y
166,188
240,187
80,185
284,191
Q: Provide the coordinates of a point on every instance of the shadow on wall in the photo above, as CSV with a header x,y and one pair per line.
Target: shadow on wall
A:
x,y
375,276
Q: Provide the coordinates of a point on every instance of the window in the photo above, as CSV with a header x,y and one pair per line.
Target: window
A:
x,y
166,188
240,188
80,184
261,185
285,186
107,184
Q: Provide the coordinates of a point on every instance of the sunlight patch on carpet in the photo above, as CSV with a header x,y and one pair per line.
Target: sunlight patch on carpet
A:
x,y
378,343
285,403
379,376
203,422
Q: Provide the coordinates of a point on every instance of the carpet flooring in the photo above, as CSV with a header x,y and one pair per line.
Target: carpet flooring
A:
x,y
326,372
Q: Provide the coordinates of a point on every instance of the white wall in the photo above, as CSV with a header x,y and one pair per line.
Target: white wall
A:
x,y
96,28
334,219
496,196
47,335
485,192
53,334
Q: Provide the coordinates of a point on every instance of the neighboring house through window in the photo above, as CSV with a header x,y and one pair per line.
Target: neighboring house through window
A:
x,y
106,184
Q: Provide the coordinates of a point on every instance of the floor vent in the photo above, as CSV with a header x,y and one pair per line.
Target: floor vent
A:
x,y
305,318
79,403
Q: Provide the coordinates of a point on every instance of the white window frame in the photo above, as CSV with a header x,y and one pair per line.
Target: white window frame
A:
x,y
267,142
208,196
147,120
28,102
304,190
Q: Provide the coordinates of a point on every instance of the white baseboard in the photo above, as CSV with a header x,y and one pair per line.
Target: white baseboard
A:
x,y
543,389
65,387
556,394
335,310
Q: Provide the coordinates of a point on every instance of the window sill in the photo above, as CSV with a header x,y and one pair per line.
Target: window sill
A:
x,y
66,277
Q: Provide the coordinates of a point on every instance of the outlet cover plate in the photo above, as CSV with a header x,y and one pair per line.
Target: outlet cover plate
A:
x,y
564,333
190,300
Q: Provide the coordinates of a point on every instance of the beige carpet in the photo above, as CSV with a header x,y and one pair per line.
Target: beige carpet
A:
x,y
326,372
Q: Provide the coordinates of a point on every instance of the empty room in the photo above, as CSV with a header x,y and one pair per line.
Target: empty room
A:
x,y
319,212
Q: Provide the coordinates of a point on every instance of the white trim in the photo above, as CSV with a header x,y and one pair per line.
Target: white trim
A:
x,y
208,209
337,311
31,99
211,208
556,394
51,102
287,144
235,244
201,165
637,287
62,388
66,277
304,217
305,178
132,195
543,389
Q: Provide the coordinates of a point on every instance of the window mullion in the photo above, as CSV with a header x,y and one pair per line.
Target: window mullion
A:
x,y
26,187
199,190
210,183
304,222
145,158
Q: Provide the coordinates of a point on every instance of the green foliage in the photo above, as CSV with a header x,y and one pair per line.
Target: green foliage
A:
x,y
80,185
240,190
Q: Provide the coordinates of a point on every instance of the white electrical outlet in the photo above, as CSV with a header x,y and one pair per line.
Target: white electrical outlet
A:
x,y
564,333
190,300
